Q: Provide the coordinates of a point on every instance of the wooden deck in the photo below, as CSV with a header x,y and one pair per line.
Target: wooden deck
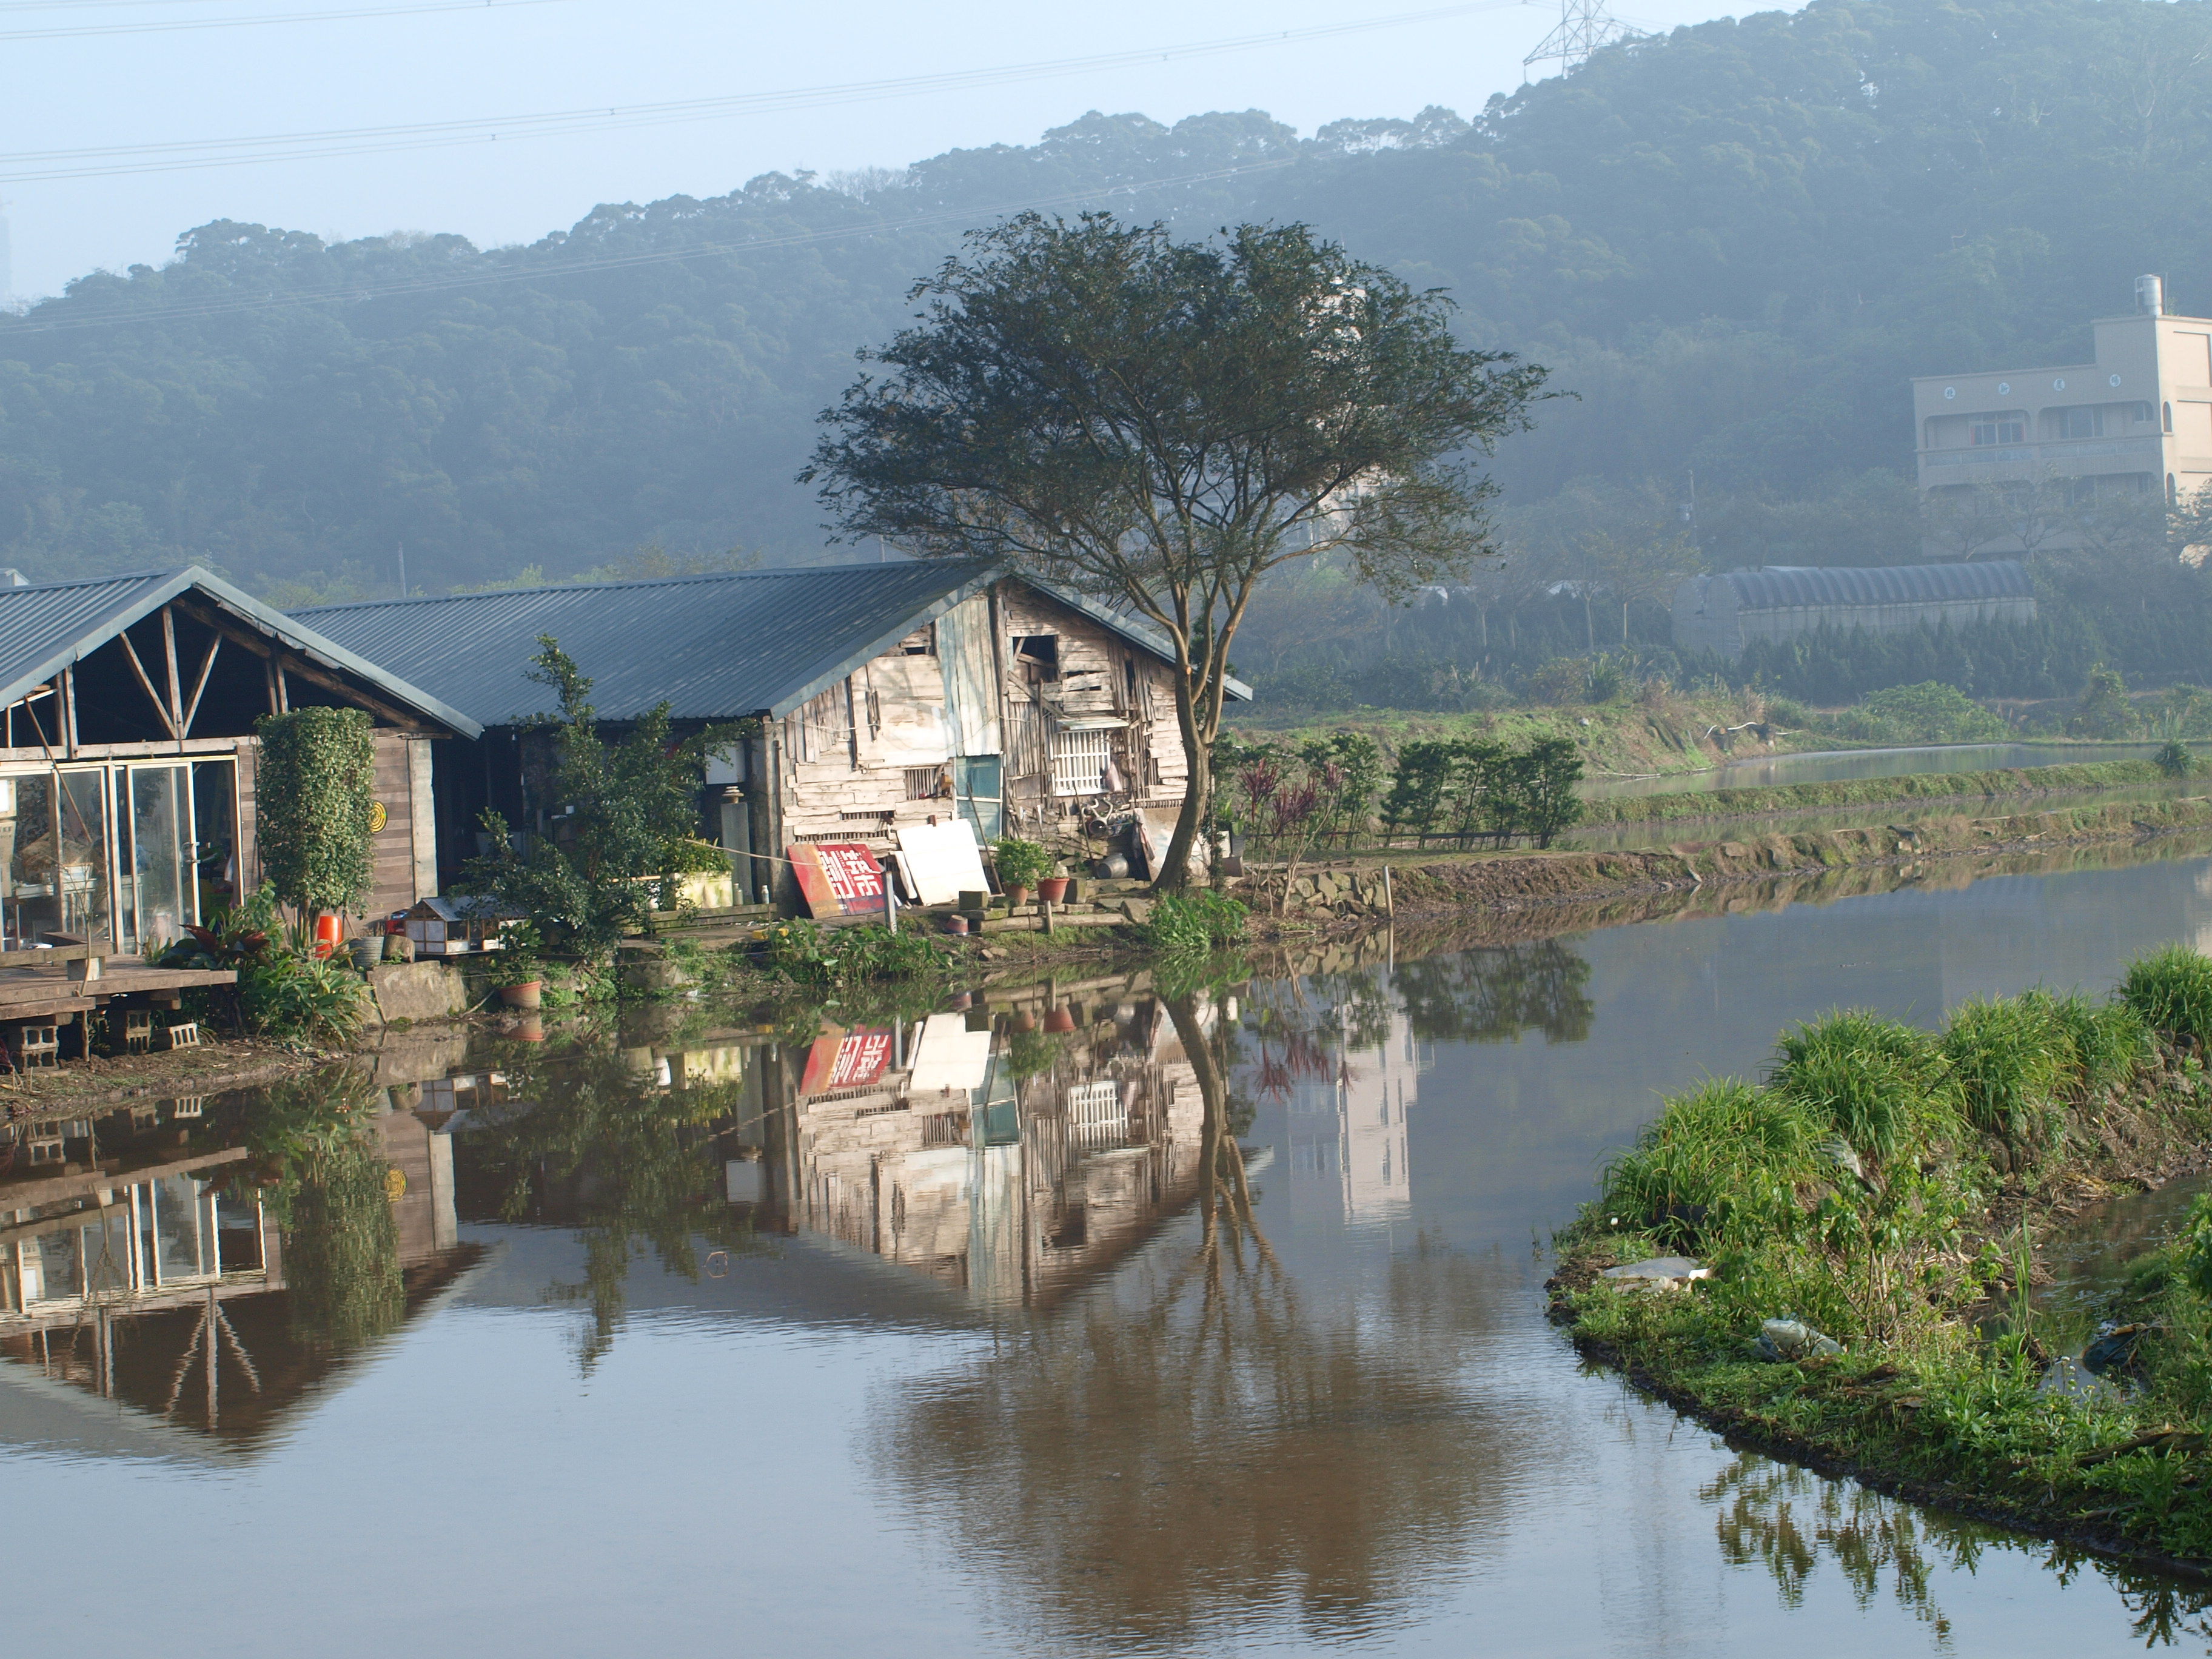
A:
x,y
44,993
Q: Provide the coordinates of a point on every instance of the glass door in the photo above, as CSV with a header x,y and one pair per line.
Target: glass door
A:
x,y
156,865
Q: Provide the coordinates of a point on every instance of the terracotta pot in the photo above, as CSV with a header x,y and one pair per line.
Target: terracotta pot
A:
x,y
1018,896
960,1004
1024,1021
529,1029
956,923
1060,1020
1053,889
532,995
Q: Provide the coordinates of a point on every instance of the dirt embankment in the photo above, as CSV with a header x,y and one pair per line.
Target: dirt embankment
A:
x,y
1520,880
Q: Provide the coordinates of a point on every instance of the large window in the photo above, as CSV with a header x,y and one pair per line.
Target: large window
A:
x,y
1988,429
2080,422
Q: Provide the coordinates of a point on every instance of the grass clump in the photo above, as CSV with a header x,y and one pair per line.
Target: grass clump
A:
x,y
1187,926
1874,1186
824,959
2171,992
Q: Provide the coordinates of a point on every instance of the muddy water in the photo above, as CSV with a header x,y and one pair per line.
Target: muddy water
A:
x,y
1001,1330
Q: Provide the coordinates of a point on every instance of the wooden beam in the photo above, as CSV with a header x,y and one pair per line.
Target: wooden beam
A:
x,y
139,669
148,750
68,736
199,689
176,692
283,662
268,673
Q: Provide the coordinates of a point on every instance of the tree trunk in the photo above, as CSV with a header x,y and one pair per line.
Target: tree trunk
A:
x,y
1589,628
1174,873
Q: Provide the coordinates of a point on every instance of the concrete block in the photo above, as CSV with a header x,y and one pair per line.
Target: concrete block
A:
x,y
418,990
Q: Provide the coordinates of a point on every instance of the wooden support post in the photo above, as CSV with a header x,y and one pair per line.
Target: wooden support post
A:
x,y
176,689
68,738
268,673
146,684
199,690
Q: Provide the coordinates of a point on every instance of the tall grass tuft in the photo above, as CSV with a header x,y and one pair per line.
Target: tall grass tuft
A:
x,y
2111,1042
2172,991
1874,1081
1191,926
2010,1059
1719,1168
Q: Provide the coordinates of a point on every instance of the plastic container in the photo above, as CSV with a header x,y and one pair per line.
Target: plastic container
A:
x,y
330,932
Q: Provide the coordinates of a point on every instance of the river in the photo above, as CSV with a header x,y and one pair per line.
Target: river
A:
x,y
1835,765
904,1334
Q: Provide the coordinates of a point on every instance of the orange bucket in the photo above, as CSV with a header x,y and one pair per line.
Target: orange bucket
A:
x,y
330,931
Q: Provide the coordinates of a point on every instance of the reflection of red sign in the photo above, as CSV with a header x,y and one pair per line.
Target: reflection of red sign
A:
x,y
846,1060
839,879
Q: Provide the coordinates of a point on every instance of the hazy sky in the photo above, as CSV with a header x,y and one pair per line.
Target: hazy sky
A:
x,y
508,59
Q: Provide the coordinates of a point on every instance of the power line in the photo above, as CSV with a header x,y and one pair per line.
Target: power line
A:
x,y
233,304
172,24
110,161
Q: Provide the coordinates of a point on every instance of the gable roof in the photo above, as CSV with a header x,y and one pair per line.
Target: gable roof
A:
x,y
49,626
716,647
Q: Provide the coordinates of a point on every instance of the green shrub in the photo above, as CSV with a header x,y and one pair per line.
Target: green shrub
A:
x,y
1930,711
1873,1081
314,790
1022,863
2172,991
1189,925
2109,1040
295,996
1719,1166
807,953
2009,1059
2173,760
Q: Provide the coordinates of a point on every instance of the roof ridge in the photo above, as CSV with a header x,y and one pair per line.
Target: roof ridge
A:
x,y
641,581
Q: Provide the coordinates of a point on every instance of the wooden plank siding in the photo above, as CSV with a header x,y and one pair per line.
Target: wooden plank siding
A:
x,y
855,761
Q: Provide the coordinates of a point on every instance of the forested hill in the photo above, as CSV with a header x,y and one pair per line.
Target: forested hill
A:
x,y
1735,242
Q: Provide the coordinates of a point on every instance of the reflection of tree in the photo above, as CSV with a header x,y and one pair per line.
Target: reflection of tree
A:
x,y
1789,1520
601,1148
1194,1441
1493,995
341,1250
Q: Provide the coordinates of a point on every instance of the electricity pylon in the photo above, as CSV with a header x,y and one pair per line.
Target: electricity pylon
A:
x,y
1584,27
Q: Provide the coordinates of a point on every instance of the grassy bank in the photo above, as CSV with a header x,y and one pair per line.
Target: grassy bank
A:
x,y
1869,792
1882,1189
1665,735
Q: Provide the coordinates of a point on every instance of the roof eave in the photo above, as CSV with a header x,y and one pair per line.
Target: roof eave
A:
x,y
823,680
308,644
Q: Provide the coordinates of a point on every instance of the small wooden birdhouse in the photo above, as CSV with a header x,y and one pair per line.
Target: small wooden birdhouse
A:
x,y
455,926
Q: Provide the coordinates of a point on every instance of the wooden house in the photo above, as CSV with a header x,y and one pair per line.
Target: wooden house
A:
x,y
127,753
880,696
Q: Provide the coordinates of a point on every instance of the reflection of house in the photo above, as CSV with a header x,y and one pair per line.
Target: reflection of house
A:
x,y
889,694
1347,1129
139,1265
930,1150
127,762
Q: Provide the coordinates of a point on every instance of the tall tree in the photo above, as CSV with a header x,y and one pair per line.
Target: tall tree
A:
x,y
1159,424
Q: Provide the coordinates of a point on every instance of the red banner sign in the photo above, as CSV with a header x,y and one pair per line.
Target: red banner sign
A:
x,y
838,878
846,1060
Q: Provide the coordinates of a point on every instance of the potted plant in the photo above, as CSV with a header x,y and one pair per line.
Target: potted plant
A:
x,y
517,974
1053,889
1020,863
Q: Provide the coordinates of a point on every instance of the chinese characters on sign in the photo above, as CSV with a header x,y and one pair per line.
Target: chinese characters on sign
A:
x,y
838,878
846,1060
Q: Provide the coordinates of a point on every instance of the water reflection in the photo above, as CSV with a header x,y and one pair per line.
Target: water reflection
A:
x,y
1199,1440
1792,1523
207,1262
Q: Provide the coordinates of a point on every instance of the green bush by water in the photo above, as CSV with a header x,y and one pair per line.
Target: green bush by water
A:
x,y
1856,1190
807,953
1187,926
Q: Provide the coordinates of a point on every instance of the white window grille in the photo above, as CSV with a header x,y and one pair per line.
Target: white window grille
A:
x,y
1079,760
1096,1116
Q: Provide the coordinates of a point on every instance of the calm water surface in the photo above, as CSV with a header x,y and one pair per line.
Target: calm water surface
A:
x,y
907,1337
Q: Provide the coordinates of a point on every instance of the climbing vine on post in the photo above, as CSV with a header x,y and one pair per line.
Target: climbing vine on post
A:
x,y
313,794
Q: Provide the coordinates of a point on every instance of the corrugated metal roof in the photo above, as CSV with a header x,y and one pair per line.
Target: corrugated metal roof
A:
x,y
1779,587
49,626
714,647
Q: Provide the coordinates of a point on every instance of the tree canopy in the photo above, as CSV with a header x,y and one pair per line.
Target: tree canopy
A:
x,y
1161,424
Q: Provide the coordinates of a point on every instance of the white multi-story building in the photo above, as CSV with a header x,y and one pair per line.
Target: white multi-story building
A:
x,y
2007,446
